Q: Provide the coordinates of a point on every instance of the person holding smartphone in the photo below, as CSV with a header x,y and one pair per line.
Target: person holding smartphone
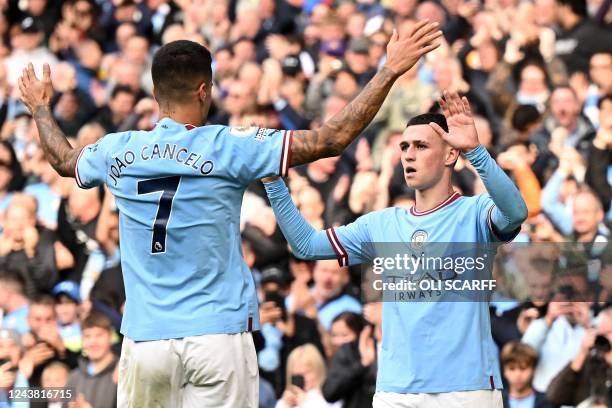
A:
x,y
305,376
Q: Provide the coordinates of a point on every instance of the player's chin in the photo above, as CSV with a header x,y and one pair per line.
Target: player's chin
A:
x,y
412,181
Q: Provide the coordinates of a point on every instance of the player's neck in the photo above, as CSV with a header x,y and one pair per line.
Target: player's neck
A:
x,y
432,197
184,116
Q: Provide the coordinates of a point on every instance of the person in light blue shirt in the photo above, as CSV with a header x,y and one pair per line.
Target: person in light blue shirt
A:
x,y
433,353
14,305
190,298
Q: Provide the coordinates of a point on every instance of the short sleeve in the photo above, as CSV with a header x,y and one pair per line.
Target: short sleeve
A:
x,y
91,166
352,242
260,152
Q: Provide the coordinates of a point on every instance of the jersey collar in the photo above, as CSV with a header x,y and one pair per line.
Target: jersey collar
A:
x,y
166,121
452,198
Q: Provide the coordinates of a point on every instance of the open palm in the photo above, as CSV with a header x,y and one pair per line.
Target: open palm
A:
x,y
462,133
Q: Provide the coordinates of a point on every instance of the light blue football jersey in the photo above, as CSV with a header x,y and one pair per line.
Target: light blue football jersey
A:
x,y
429,346
179,191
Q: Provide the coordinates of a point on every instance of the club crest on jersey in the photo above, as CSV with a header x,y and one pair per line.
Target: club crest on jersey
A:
x,y
241,131
418,239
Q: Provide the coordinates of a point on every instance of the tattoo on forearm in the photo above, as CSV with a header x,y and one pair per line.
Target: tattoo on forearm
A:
x,y
338,132
58,151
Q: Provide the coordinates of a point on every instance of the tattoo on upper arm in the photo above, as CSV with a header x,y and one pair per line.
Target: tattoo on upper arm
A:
x,y
58,151
339,131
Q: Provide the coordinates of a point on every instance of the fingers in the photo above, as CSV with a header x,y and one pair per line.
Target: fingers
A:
x,y
46,73
437,129
394,36
423,31
420,24
444,106
429,38
453,104
450,105
429,48
466,106
456,100
31,73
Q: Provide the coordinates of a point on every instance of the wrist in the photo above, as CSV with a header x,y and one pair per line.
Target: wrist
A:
x,y
394,72
41,109
471,148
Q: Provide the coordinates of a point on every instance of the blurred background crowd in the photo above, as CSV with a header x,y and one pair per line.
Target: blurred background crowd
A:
x,y
537,72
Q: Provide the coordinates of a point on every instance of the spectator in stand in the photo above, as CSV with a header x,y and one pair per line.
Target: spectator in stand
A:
x,y
305,377
67,299
31,250
585,377
328,298
95,380
580,37
556,337
600,72
43,344
13,302
597,172
55,376
11,374
519,362
121,103
352,369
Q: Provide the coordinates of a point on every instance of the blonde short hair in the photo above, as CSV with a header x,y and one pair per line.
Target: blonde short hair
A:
x,y
309,356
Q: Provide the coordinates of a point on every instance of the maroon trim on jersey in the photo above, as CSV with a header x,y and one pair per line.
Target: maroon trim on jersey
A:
x,y
453,197
285,158
289,152
76,170
250,324
337,246
492,382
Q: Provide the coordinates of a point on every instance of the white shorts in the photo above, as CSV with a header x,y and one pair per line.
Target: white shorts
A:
x,y
218,370
460,399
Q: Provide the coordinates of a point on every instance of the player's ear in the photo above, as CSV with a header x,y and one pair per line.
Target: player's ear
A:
x,y
452,155
202,92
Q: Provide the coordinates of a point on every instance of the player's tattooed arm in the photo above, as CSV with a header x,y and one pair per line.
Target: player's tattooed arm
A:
x,y
339,131
58,150
37,95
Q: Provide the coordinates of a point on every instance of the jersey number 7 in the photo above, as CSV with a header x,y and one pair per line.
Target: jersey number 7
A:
x,y
168,187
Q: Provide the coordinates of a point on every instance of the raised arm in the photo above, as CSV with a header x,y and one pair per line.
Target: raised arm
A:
x,y
305,241
346,243
510,210
37,95
339,131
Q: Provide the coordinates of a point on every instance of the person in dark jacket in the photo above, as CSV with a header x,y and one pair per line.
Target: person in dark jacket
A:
x,y
587,375
601,153
94,380
519,361
351,375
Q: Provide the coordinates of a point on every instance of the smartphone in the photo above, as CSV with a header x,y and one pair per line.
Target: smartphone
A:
x,y
3,361
298,381
278,300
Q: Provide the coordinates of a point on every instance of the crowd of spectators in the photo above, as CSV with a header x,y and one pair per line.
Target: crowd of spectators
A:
x,y
537,72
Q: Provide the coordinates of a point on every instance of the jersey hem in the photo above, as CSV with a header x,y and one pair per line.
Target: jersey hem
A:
x,y
151,335
485,386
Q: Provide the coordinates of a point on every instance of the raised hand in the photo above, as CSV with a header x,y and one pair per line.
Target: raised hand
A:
x,y
36,93
403,53
462,133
